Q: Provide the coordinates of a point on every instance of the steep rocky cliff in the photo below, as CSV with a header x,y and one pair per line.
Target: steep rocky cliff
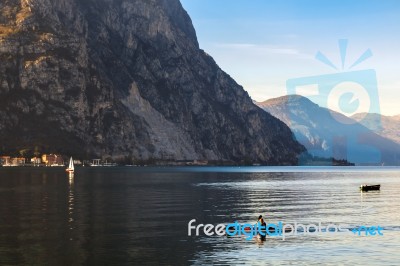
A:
x,y
124,78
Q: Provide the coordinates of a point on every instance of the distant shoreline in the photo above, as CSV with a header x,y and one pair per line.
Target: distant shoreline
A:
x,y
233,169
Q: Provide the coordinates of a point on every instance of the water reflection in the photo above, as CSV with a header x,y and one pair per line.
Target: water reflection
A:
x,y
71,177
124,216
71,201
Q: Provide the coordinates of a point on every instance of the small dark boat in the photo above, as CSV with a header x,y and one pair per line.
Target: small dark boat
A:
x,y
367,188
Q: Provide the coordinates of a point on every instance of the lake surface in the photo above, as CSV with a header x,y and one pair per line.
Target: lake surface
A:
x,y
139,216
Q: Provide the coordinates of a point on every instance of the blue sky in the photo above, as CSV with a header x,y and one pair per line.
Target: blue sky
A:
x,y
262,44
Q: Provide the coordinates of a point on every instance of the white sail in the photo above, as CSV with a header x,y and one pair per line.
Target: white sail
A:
x,y
71,164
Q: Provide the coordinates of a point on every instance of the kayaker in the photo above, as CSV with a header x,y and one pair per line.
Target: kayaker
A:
x,y
262,224
261,221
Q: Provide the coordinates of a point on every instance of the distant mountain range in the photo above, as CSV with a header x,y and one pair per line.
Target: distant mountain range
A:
x,y
326,133
386,126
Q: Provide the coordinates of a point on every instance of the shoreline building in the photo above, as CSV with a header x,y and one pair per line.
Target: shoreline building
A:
x,y
52,160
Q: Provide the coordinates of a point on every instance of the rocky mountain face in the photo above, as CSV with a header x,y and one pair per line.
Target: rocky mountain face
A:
x,y
326,133
385,126
124,78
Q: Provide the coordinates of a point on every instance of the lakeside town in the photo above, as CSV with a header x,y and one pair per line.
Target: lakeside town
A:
x,y
49,160
58,160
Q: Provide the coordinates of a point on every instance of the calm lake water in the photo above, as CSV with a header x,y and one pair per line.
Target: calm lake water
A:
x,y
139,216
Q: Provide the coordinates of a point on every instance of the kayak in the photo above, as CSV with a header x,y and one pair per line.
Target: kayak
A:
x,y
270,230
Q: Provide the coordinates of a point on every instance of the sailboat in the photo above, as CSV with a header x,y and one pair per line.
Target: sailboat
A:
x,y
71,167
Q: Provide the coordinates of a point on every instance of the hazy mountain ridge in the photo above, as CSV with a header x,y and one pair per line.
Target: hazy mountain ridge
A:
x,y
124,78
327,133
386,126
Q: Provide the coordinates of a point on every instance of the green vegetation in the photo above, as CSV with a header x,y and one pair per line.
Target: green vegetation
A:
x,y
310,160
